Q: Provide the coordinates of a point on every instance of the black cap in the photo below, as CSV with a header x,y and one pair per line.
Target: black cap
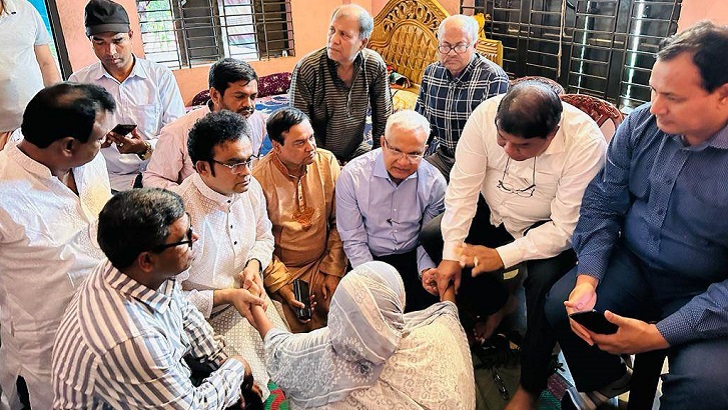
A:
x,y
105,16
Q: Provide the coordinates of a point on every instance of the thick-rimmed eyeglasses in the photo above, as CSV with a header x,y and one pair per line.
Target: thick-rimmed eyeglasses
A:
x,y
459,48
526,192
188,241
397,154
238,167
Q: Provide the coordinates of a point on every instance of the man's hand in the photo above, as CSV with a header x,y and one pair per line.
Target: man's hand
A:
x,y
260,321
429,281
131,143
481,259
243,300
329,285
250,278
242,360
448,271
582,297
286,293
634,336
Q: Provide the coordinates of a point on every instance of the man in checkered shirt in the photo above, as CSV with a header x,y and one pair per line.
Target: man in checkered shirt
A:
x,y
455,85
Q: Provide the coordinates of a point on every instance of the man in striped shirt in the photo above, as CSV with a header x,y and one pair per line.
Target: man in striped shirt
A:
x,y
126,336
336,84
452,87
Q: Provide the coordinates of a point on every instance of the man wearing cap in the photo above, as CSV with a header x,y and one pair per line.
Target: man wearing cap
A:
x,y
145,92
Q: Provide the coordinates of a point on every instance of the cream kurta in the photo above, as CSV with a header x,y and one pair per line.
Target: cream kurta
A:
x,y
232,230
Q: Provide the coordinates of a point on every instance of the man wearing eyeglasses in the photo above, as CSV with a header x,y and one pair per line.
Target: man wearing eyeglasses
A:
x,y
383,199
227,206
531,157
452,87
128,335
298,180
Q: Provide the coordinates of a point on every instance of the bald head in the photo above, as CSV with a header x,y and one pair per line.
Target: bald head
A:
x,y
366,23
529,110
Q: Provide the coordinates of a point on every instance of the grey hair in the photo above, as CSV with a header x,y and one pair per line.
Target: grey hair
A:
x,y
408,120
366,23
466,22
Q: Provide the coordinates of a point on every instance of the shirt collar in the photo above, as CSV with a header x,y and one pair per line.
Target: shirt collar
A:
x,y
380,171
209,193
282,168
158,300
137,70
28,163
720,139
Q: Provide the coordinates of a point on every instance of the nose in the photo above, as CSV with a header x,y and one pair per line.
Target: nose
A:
x,y
112,49
657,107
509,150
195,236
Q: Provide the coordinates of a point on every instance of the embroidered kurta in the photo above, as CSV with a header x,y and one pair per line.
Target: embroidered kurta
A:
x,y
303,214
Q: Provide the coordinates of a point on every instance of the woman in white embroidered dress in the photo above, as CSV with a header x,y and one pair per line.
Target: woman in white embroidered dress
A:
x,y
371,355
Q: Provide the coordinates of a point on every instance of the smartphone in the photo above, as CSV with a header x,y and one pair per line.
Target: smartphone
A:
x,y
123,129
595,321
302,294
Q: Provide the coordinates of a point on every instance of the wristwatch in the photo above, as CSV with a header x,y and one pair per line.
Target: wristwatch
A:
x,y
144,155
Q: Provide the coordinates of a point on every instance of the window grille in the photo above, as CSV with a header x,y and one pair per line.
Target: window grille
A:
x,y
186,33
605,48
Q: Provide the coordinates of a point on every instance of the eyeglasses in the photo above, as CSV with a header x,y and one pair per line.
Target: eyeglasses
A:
x,y
240,166
459,48
524,192
188,241
397,154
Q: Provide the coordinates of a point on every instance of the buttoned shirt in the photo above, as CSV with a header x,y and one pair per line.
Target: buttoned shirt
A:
x,y
448,101
121,345
576,153
149,98
22,29
338,112
47,247
232,230
170,163
668,201
376,216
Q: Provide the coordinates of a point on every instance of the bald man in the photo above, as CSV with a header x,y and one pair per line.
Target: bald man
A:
x,y
531,157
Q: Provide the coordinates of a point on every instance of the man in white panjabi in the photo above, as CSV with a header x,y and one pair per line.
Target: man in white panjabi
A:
x,y
227,209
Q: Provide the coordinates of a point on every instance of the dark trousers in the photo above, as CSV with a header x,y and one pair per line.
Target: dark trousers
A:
x,y
417,298
698,376
487,293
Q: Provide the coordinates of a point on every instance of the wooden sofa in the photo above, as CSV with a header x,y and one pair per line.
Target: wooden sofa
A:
x,y
405,36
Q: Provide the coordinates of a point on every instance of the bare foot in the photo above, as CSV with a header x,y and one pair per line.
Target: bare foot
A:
x,y
484,329
522,400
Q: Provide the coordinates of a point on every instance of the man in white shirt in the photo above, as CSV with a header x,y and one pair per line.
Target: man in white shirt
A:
x,y
234,87
53,185
145,92
129,338
531,157
235,244
26,62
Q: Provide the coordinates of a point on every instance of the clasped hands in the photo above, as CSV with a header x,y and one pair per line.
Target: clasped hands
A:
x,y
481,258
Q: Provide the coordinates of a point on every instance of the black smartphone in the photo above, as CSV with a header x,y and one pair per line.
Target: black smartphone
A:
x,y
302,294
595,321
123,129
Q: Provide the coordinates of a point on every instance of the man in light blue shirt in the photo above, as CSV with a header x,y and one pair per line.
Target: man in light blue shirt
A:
x,y
145,92
383,199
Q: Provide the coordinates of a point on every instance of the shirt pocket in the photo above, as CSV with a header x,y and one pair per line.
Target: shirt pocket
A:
x,y
146,116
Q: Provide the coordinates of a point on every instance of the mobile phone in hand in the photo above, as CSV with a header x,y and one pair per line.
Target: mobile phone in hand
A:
x,y
123,129
595,321
302,294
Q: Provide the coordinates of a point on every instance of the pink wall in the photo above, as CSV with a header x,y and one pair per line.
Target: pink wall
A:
x,y
696,10
310,22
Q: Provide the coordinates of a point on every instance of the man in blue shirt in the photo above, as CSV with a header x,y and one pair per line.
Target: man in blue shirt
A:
x,y
652,239
384,197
